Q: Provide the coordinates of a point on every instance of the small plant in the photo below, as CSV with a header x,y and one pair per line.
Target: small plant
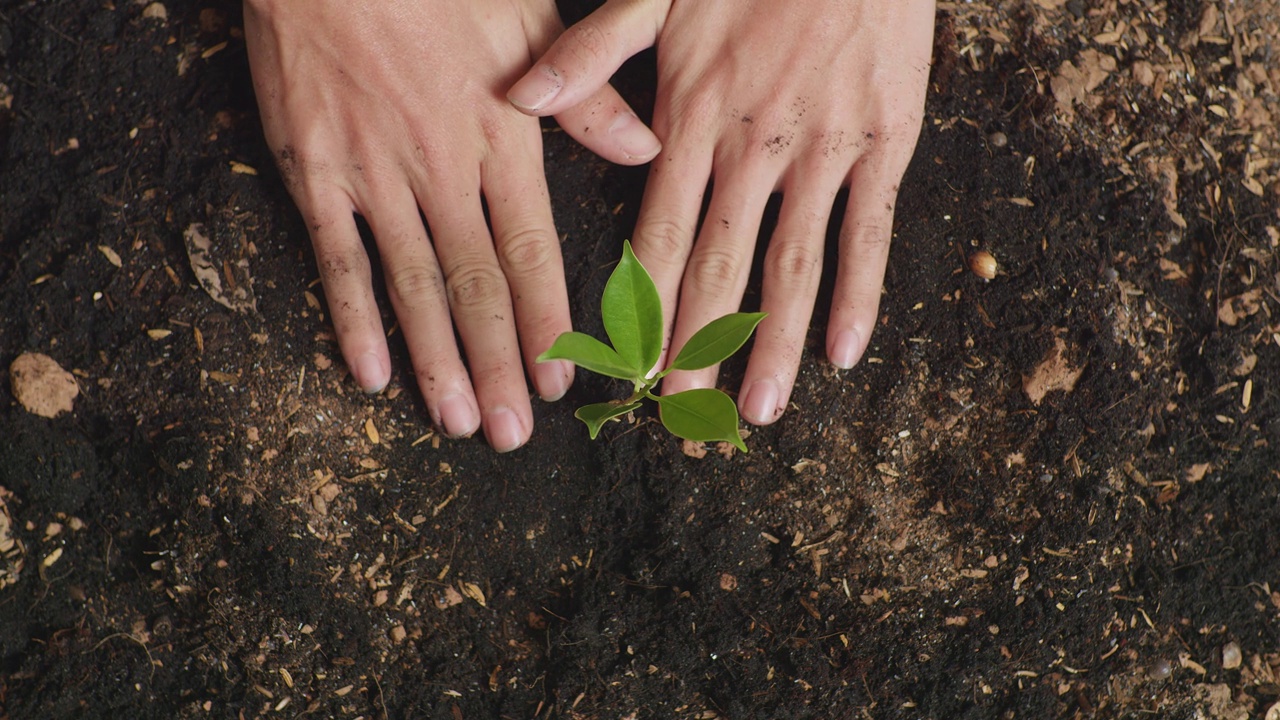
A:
x,y
632,314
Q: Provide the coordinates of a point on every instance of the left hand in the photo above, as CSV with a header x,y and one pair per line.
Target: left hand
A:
x,y
759,96
394,111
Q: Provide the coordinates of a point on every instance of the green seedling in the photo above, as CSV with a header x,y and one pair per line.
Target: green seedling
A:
x,y
632,314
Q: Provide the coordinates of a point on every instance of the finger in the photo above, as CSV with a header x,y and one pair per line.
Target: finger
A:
x,y
716,275
668,221
582,60
480,303
606,125
415,285
529,253
792,270
863,253
348,285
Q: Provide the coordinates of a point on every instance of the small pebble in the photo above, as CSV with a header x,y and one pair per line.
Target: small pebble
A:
x,y
998,139
1231,655
1161,669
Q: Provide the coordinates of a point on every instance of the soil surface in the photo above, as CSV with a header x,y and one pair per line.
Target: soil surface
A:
x,y
1050,494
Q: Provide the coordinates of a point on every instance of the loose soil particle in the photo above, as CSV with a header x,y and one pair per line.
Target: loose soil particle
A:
x,y
41,385
245,534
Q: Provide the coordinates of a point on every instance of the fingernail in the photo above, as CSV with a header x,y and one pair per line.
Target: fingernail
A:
x,y
552,379
457,416
846,350
537,88
503,430
761,404
633,137
370,374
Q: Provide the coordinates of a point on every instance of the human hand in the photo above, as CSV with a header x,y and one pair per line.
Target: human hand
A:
x,y
391,108
759,96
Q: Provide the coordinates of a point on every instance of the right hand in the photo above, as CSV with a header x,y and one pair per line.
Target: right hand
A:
x,y
396,108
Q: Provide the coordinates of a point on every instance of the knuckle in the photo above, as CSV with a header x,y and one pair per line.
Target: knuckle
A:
x,y
336,262
714,272
696,113
665,240
872,235
527,251
496,129
433,158
587,42
437,367
413,283
768,130
793,263
475,285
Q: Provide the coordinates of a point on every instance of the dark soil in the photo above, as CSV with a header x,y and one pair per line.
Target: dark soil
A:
x,y
244,534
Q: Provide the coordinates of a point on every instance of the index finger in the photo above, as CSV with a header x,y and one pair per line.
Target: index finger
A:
x,y
668,222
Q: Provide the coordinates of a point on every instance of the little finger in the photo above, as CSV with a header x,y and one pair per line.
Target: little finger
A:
x,y
348,284
415,285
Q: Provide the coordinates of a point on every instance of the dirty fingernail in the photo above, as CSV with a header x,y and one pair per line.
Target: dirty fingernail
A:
x,y
761,403
503,430
846,350
633,137
552,379
536,89
370,373
457,416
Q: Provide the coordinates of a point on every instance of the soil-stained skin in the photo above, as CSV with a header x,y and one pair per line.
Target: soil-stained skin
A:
x,y
225,526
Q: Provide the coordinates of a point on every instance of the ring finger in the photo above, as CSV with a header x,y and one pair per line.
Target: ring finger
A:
x,y
480,302
416,288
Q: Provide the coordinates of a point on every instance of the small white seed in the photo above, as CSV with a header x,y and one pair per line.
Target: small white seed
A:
x,y
983,264
1160,669
1231,656
998,139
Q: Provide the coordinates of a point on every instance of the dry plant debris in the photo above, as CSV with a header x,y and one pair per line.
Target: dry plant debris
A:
x,y
1204,99
212,268
11,548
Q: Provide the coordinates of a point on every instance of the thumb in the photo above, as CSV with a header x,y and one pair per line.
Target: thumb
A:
x,y
582,60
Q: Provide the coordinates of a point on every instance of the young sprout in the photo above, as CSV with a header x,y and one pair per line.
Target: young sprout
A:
x,y
632,314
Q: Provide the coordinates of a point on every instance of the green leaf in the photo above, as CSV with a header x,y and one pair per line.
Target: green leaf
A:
x,y
588,352
702,415
596,415
716,341
632,312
